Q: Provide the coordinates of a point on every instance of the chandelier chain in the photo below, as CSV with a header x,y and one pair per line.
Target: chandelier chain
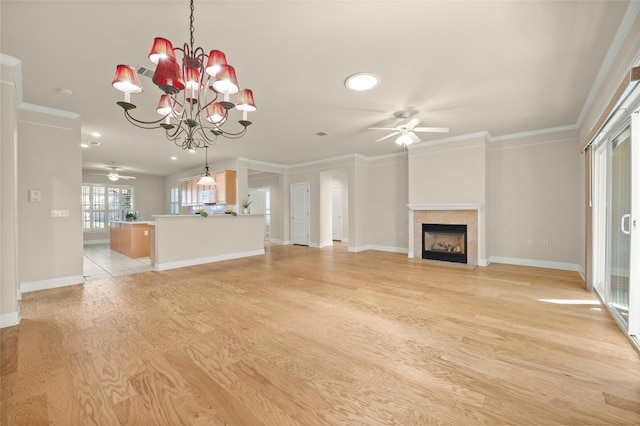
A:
x,y
191,27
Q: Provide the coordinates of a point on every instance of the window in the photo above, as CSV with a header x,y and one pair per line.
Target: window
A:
x,y
102,204
175,205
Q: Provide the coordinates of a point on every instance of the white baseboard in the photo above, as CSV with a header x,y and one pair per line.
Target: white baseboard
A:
x,y
52,283
483,262
92,242
325,244
379,248
389,249
279,242
208,259
345,240
10,319
536,263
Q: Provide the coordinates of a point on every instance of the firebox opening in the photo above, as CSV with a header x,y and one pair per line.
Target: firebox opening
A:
x,y
444,242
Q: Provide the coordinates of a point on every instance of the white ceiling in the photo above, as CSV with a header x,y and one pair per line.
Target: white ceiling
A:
x,y
499,66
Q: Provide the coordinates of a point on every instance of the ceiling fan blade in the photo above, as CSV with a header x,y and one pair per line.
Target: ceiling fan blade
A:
x,y
127,177
432,129
383,128
414,137
412,123
388,136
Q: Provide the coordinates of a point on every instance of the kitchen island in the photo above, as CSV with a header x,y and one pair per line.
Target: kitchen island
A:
x,y
130,238
187,240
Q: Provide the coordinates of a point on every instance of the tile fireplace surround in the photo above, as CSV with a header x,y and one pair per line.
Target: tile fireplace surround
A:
x,y
459,214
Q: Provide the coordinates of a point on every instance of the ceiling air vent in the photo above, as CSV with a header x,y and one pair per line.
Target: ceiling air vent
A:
x,y
146,72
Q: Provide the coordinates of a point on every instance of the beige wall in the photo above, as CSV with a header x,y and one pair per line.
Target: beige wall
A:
x,y
534,193
49,161
449,172
388,197
9,309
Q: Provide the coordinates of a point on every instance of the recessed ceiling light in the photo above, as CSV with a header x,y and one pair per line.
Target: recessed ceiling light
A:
x,y
192,150
84,145
95,134
362,81
174,158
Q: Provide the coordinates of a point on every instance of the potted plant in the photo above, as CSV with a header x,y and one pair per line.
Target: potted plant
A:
x,y
245,205
131,216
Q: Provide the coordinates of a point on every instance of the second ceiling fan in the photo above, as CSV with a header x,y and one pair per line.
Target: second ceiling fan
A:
x,y
408,132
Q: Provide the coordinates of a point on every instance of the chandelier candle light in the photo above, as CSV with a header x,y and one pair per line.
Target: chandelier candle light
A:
x,y
196,100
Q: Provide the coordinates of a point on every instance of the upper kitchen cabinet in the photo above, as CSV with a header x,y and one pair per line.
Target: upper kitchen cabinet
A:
x,y
225,186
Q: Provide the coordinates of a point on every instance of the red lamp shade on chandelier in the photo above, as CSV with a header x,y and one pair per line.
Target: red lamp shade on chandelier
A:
x,y
126,80
192,83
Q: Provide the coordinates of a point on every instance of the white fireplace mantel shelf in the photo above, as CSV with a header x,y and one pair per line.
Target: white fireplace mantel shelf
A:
x,y
413,207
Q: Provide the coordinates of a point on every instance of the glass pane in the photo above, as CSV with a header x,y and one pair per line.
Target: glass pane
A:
x,y
127,198
114,199
86,197
86,220
98,198
114,216
620,226
98,220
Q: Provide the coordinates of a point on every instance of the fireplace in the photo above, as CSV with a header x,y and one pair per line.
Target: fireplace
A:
x,y
446,242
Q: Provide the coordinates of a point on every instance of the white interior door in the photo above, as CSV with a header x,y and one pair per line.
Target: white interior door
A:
x,y
300,213
336,214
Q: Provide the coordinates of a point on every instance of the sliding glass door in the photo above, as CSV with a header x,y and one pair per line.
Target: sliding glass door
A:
x,y
620,227
615,208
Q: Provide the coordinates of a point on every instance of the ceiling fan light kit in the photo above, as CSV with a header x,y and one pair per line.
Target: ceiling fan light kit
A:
x,y
196,102
408,132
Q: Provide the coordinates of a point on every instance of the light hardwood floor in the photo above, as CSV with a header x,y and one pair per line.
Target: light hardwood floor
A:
x,y
320,337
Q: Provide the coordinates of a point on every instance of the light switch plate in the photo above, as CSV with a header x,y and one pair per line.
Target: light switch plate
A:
x,y
35,196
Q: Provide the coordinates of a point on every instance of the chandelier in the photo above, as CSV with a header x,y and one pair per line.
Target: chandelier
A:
x,y
196,102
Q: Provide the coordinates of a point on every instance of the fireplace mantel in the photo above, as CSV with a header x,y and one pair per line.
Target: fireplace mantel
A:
x,y
413,207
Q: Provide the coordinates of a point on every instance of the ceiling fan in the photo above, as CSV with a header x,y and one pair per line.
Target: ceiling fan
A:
x,y
114,175
408,132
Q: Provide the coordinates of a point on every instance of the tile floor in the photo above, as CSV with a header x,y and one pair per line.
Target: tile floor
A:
x,y
101,262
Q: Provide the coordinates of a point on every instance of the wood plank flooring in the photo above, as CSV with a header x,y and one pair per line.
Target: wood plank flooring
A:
x,y
306,336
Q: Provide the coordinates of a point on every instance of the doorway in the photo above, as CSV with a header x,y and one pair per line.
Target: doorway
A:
x,y
300,213
336,214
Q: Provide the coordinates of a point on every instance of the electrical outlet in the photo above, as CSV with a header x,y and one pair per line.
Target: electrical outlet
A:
x,y
529,242
545,243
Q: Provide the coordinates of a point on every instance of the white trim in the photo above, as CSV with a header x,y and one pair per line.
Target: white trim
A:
x,y
535,263
10,319
402,250
93,242
534,132
29,286
483,262
379,248
279,242
16,65
413,207
49,111
344,240
208,259
325,244
627,22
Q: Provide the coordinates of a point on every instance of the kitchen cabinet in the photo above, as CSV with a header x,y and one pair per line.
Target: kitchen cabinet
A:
x,y
225,187
130,238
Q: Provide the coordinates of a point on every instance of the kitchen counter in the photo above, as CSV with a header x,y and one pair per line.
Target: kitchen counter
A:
x,y
186,240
